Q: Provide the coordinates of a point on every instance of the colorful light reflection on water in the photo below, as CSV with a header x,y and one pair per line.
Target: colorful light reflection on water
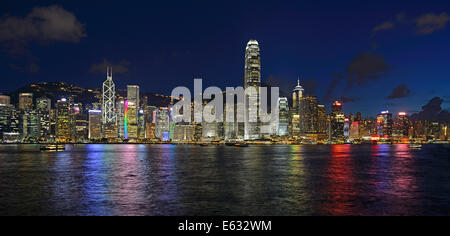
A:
x,y
221,180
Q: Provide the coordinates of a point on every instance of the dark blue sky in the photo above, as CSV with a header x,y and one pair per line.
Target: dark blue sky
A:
x,y
366,49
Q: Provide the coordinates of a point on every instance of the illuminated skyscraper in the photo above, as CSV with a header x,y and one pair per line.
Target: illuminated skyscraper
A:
x,y
95,127
7,120
297,95
121,118
109,99
132,109
337,120
43,106
283,122
384,124
64,120
25,101
321,122
5,100
163,124
401,127
252,79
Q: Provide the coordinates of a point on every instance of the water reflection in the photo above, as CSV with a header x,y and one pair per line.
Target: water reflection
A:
x,y
221,180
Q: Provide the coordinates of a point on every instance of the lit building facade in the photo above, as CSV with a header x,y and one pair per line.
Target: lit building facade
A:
x,y
25,101
109,99
385,125
283,112
297,95
44,106
95,125
64,120
337,120
5,100
252,79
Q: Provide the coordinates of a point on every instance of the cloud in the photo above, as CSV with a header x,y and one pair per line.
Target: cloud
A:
x,y
384,26
433,111
330,91
391,24
120,68
32,68
43,25
363,68
349,99
366,66
400,91
429,23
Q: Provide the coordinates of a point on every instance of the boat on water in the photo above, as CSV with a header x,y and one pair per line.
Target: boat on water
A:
x,y
52,147
204,144
241,144
415,145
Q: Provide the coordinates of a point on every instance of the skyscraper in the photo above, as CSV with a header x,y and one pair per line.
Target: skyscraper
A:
x,y
252,79
401,127
384,124
25,101
43,107
337,120
297,95
95,127
109,99
5,100
64,120
132,108
283,122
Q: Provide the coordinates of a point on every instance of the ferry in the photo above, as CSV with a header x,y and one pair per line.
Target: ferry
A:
x,y
415,145
52,147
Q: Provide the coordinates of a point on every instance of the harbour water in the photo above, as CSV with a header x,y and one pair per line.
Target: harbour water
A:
x,y
221,180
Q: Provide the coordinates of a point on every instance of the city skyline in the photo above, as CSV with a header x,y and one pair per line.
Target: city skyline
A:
x,y
371,71
215,111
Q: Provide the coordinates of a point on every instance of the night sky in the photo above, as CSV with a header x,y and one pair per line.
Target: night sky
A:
x,y
372,55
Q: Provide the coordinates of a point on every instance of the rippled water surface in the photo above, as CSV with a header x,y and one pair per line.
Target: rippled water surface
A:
x,y
221,180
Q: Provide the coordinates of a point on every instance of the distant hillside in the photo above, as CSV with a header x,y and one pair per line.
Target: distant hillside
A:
x,y
58,90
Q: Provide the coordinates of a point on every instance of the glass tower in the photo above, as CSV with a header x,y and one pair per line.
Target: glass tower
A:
x,y
252,79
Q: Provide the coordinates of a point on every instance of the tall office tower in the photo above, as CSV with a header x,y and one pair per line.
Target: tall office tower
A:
x,y
64,120
150,122
141,124
109,116
321,122
81,127
337,121
283,121
133,94
109,99
384,125
346,128
31,129
297,95
132,111
163,124
25,101
401,127
5,100
43,107
121,118
95,124
309,118
252,79
6,112
354,130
